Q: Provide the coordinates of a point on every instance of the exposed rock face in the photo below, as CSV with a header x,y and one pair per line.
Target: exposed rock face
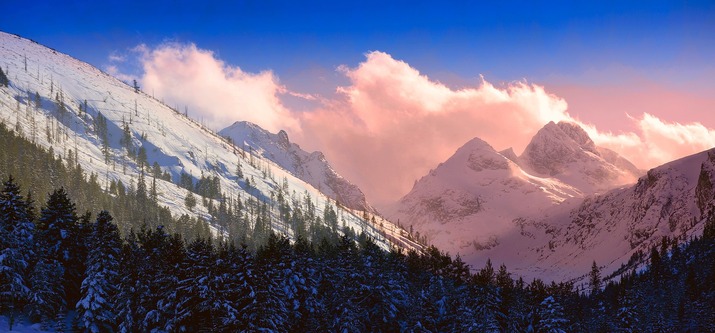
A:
x,y
671,200
312,168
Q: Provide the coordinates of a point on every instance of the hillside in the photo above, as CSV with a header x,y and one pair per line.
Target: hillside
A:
x,y
118,133
310,167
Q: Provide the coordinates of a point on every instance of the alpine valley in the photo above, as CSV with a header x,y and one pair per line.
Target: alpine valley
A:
x,y
242,230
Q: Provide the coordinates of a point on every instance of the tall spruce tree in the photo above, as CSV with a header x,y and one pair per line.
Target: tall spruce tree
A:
x,y
16,249
96,308
58,235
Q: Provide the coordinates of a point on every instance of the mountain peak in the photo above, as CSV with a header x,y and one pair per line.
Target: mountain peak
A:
x,y
283,139
477,144
510,154
564,151
555,145
578,135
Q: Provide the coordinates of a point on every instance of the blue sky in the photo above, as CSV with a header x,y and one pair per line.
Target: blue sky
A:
x,y
504,40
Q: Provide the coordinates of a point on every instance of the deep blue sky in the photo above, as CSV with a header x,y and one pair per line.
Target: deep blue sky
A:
x,y
504,40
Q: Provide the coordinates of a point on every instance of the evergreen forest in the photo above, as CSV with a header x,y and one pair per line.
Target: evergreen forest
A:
x,y
77,257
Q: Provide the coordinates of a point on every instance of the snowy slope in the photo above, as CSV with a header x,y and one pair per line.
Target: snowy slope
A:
x,y
310,167
670,200
174,141
475,202
468,202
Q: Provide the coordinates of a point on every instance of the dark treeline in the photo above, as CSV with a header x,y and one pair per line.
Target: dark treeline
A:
x,y
55,263
674,293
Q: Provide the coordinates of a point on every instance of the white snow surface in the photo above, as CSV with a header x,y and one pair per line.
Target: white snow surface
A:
x,y
555,209
177,143
20,325
562,243
310,167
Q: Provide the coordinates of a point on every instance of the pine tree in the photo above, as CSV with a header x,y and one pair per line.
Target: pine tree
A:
x,y
190,201
4,82
155,280
239,171
594,278
198,289
46,298
57,234
627,317
551,316
16,249
131,312
96,308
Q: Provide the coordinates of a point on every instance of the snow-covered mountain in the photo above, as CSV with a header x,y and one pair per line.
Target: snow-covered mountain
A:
x,y
313,168
564,151
469,201
671,200
60,102
475,201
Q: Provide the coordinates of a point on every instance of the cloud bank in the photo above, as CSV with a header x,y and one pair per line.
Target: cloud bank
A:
x,y
391,124
214,92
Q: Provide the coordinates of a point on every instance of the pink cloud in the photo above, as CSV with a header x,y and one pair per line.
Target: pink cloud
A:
x,y
657,141
390,124
213,91
393,124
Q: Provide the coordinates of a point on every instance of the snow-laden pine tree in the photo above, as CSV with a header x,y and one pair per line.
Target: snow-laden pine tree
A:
x,y
130,308
16,249
551,316
384,287
271,288
58,236
46,297
627,314
96,308
198,288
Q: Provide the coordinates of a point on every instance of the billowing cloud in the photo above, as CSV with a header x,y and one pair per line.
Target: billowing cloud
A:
x,y
657,141
390,124
214,92
393,124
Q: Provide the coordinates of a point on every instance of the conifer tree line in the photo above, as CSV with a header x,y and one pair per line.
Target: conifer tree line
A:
x,y
54,263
